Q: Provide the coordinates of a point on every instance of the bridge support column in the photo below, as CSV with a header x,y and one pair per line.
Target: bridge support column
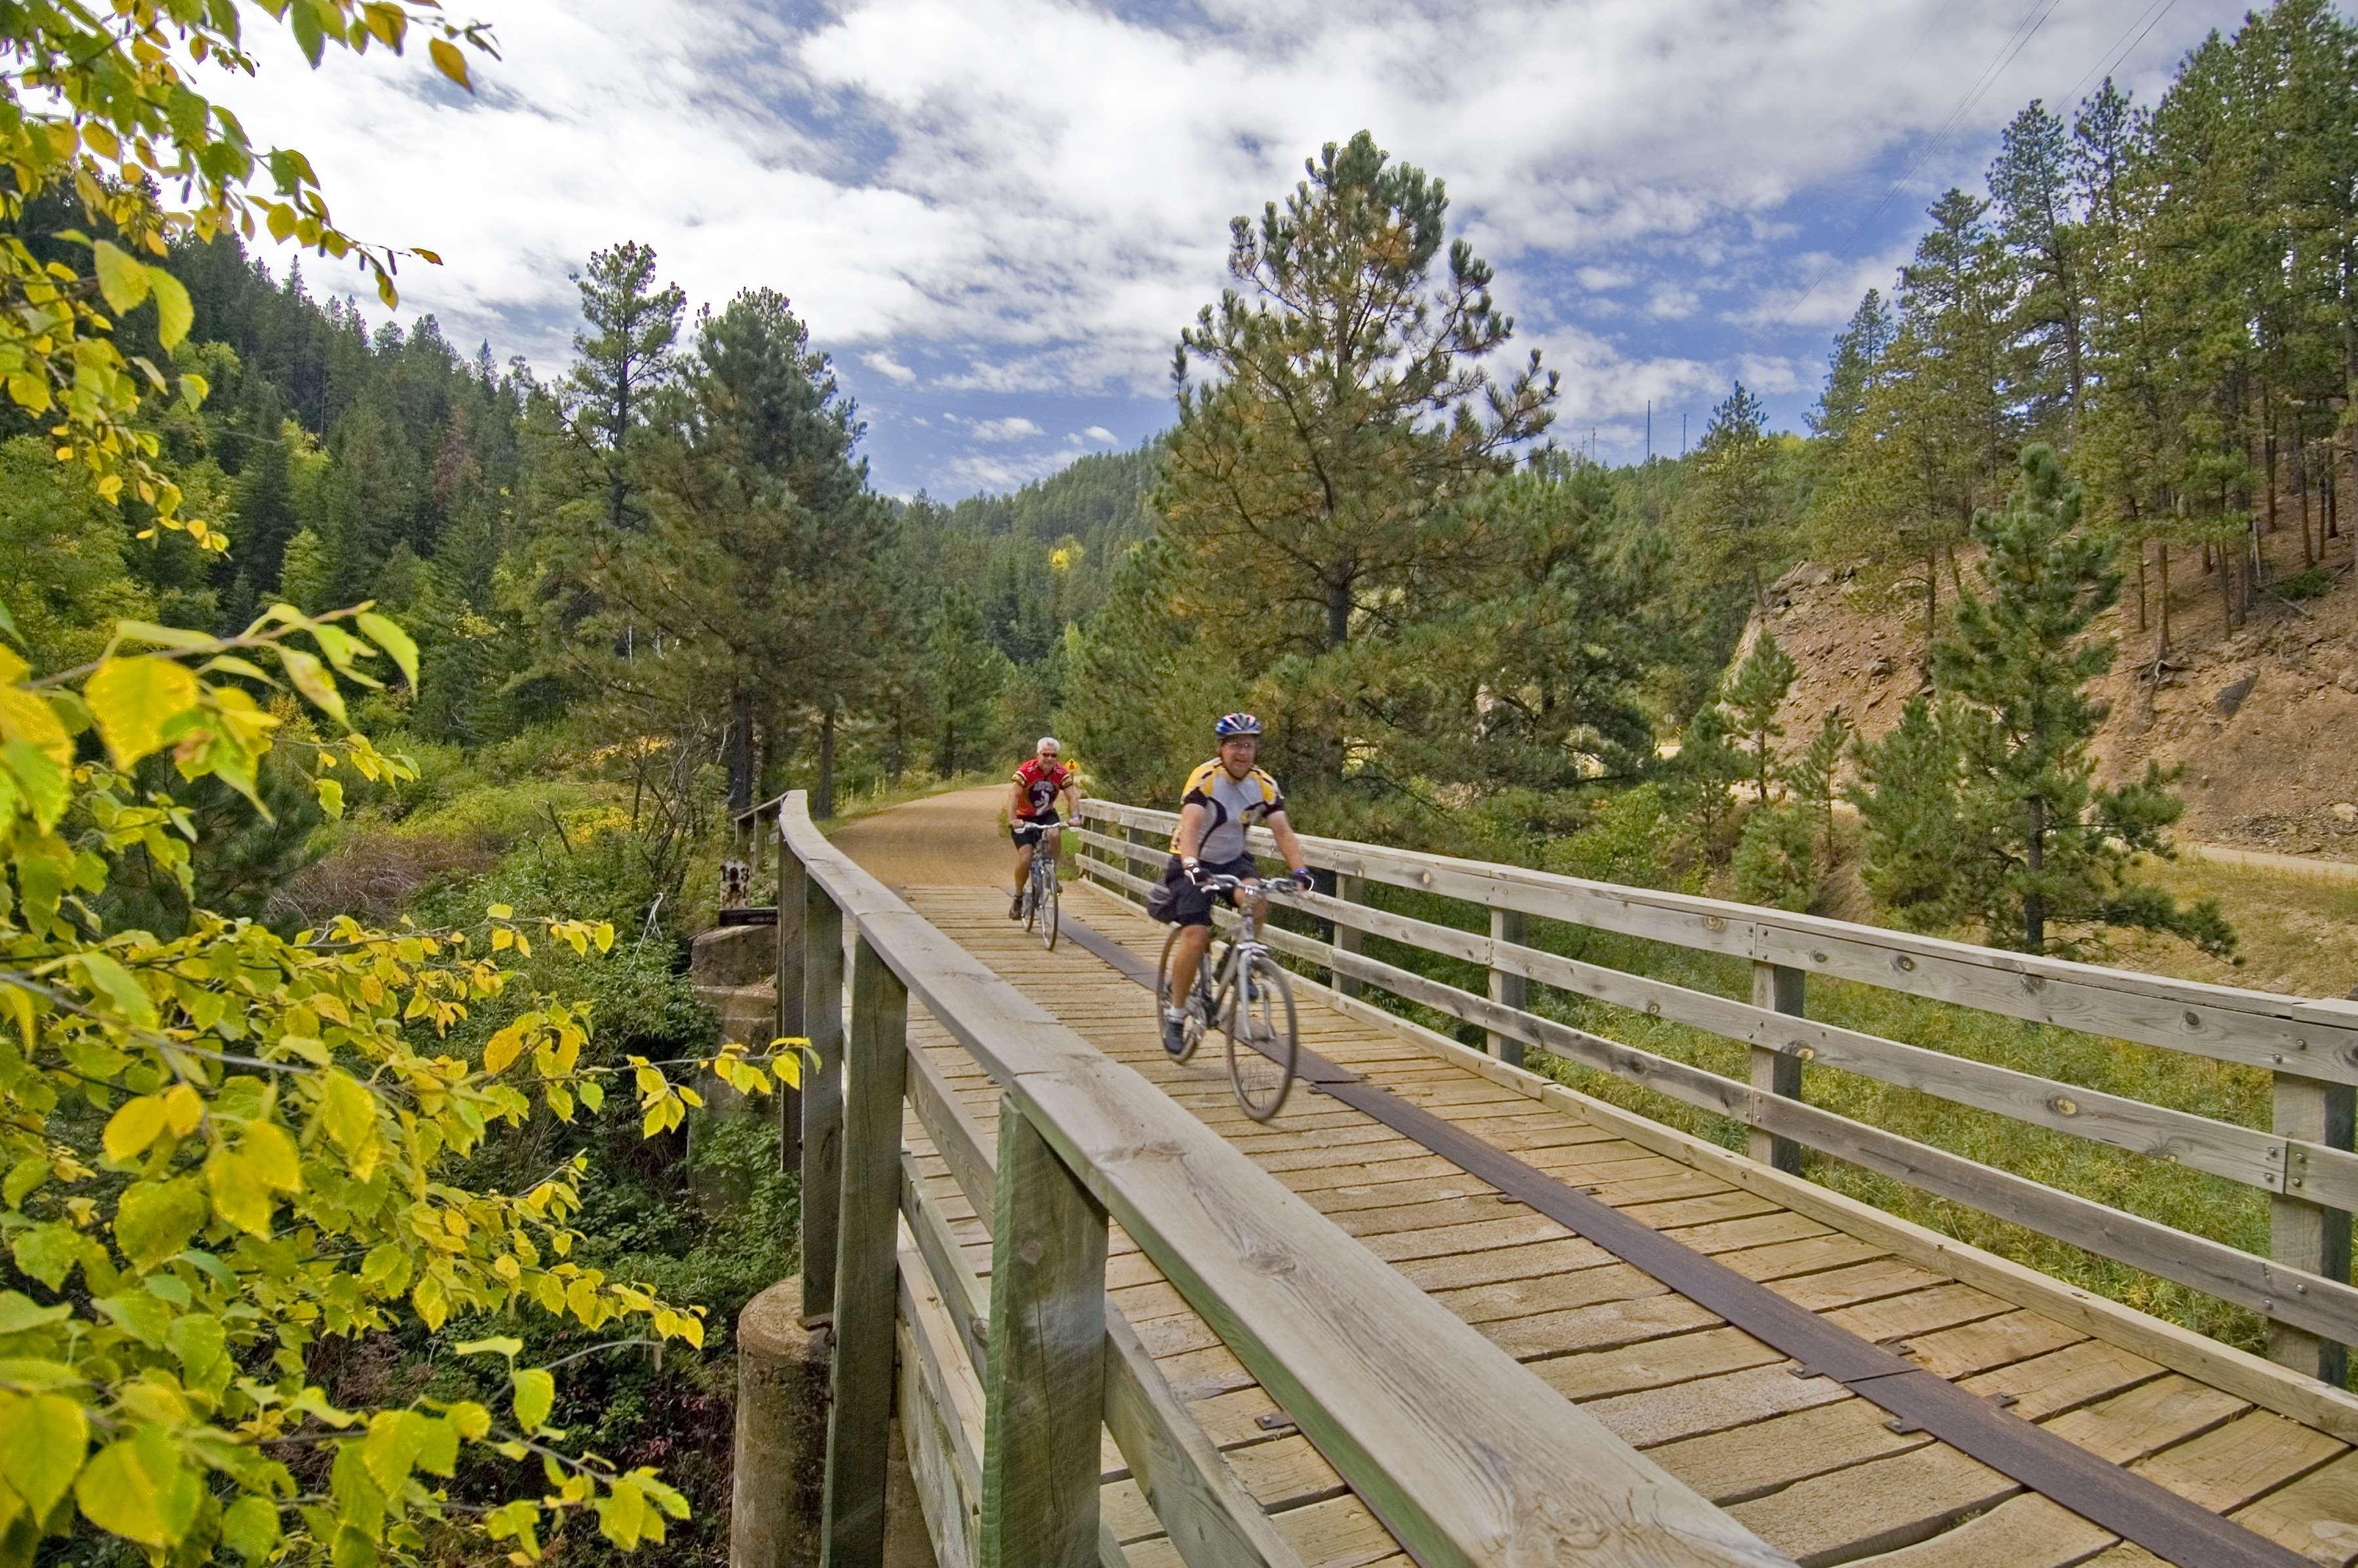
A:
x,y
781,1457
1774,1072
2304,1235
1506,989
859,1420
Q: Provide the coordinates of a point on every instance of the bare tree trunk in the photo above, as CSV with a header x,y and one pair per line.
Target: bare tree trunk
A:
x,y
2034,903
740,750
823,802
2141,553
2161,644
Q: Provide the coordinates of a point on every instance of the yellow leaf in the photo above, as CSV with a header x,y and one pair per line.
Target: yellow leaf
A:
x,y
121,278
134,1127
183,1109
605,936
449,62
174,315
27,716
503,1050
133,700
348,1112
237,1198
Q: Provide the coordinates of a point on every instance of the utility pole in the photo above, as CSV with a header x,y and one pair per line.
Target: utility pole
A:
x,y
1592,443
1682,432
1649,431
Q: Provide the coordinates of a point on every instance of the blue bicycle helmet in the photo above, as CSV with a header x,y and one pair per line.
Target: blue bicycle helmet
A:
x,y
1232,725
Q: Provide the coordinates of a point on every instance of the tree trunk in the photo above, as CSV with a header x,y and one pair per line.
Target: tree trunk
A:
x,y
2161,643
740,750
823,801
1932,607
1339,579
2141,553
2034,904
2300,482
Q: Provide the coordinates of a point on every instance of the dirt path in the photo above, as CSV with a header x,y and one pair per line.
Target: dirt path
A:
x,y
2309,868
958,839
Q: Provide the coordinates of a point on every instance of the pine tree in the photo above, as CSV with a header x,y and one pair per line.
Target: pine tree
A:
x,y
1731,504
1706,769
2054,848
1346,407
1754,694
1775,863
2030,190
1907,792
1853,368
628,356
307,578
966,676
1812,774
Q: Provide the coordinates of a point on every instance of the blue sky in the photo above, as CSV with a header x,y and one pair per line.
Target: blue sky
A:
x,y
998,213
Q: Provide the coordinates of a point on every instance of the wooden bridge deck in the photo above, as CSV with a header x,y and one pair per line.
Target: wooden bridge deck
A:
x,y
1814,1469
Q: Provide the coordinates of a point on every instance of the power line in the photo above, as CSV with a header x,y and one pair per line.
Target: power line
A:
x,y
2154,15
2016,41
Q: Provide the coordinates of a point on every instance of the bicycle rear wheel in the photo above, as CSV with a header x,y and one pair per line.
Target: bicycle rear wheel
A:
x,y
1199,1015
1262,1040
1047,903
1030,900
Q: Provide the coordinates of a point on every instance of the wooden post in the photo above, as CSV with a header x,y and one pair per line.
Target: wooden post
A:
x,y
822,1095
1506,989
859,1420
1347,938
1780,987
2304,1235
1045,1396
792,892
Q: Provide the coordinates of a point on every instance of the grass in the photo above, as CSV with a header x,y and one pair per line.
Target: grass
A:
x,y
2299,936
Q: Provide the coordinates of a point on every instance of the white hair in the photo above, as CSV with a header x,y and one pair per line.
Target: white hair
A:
x,y
1047,740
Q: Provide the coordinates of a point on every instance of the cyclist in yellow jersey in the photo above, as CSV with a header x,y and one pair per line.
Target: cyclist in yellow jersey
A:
x,y
1224,798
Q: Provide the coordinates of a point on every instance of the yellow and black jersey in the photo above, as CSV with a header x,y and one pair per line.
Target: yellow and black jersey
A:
x,y
1234,804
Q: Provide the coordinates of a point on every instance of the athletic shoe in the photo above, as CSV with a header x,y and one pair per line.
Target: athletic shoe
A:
x,y
1174,1033
1015,907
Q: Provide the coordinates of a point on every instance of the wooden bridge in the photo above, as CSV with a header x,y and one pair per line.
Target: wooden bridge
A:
x,y
1445,1311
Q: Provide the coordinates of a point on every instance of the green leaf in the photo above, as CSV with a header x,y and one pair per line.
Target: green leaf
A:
x,y
134,700
391,1448
48,1252
249,1527
312,679
8,625
138,1315
387,634
121,278
237,1196
25,1178
504,1345
43,1440
536,1395
331,797
19,1311
163,636
135,1489
347,1111
174,315
115,982
40,777
156,1220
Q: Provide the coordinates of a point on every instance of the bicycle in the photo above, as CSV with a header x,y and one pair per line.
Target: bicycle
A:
x,y
1039,891
1245,994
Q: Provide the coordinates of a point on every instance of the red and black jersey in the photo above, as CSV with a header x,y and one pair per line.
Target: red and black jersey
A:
x,y
1041,783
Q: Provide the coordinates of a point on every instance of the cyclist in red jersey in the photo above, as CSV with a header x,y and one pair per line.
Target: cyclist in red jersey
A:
x,y
1032,810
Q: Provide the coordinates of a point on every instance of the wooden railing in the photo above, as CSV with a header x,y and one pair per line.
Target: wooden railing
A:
x,y
1004,1390
2304,1162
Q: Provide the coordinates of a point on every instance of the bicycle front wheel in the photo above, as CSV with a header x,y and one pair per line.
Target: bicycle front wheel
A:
x,y
1261,1040
1047,903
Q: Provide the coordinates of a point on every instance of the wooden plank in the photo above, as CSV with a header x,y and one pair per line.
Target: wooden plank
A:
x,y
944,1450
2324,1306
2148,1418
1875,1506
2316,1515
1508,989
1468,1459
2026,1531
2264,1384
956,1136
1045,1374
1210,1516
860,1416
822,1008
1755,1459
1777,989
2302,1232
2232,1464
1347,889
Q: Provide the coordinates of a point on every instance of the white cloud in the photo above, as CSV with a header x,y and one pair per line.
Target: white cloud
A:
x,y
1602,279
1014,428
1099,433
885,365
992,471
1672,302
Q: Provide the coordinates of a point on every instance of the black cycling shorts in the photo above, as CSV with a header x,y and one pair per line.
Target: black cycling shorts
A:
x,y
1192,905
1028,830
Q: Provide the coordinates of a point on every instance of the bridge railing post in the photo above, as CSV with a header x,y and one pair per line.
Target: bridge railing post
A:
x,y
1045,1367
1506,989
1347,938
859,1432
2303,1234
822,1156
1781,988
